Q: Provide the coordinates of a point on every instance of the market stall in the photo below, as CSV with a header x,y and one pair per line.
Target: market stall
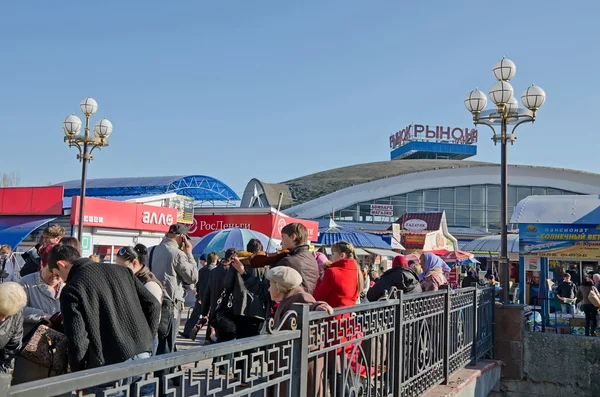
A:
x,y
370,249
557,234
109,225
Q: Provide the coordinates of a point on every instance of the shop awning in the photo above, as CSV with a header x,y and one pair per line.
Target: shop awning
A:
x,y
357,251
382,252
13,229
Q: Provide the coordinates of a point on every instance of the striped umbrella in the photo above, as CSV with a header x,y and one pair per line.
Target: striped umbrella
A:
x,y
222,240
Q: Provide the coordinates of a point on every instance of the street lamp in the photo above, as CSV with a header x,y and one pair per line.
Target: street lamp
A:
x,y
506,113
86,144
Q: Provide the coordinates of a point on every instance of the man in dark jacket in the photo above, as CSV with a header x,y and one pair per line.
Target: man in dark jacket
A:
x,y
566,293
201,287
399,276
216,285
109,316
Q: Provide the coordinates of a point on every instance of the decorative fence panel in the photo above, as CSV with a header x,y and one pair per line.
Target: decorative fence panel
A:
x,y
400,346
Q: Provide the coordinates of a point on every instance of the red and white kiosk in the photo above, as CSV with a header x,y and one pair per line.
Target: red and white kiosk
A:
x,y
109,225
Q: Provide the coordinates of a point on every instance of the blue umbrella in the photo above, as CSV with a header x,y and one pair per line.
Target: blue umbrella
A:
x,y
222,240
335,233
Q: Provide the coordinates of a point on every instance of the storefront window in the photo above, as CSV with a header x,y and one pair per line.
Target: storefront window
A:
x,y
415,202
523,192
463,195
477,195
538,191
493,196
462,218
512,196
478,218
447,196
432,198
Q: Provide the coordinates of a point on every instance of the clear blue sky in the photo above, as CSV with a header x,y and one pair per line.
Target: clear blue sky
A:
x,y
279,89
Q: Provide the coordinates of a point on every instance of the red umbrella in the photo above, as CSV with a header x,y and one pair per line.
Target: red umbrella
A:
x,y
456,256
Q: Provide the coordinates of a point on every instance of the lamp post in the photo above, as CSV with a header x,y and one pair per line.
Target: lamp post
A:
x,y
507,116
86,144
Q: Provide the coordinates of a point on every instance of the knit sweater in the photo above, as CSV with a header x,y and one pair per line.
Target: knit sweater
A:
x,y
108,315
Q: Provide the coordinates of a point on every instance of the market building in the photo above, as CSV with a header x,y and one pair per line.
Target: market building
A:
x,y
427,173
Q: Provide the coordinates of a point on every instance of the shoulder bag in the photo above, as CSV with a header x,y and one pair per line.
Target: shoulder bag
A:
x,y
594,297
222,318
46,347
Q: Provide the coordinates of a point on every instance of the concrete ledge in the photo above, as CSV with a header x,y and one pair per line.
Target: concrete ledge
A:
x,y
477,381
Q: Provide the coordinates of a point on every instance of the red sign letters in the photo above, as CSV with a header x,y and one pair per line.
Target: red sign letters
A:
x,y
123,215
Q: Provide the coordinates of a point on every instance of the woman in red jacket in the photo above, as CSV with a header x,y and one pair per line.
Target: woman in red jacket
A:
x,y
342,282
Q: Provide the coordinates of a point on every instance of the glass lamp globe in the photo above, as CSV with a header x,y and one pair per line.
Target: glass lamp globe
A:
x,y
103,129
89,106
475,101
533,97
501,92
504,70
512,105
71,126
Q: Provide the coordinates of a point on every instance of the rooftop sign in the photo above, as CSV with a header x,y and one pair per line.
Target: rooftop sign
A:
x,y
439,134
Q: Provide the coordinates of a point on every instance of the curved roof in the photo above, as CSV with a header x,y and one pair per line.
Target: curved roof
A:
x,y
299,190
492,244
571,210
200,187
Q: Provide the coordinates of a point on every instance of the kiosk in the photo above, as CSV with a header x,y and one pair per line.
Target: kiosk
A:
x,y
557,234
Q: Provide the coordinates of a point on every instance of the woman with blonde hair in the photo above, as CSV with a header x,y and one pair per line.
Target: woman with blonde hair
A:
x,y
342,281
12,301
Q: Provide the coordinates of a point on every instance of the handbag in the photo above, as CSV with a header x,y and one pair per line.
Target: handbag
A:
x,y
594,297
46,347
166,318
222,319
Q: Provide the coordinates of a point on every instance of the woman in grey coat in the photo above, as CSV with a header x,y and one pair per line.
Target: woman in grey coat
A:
x,y
12,301
43,293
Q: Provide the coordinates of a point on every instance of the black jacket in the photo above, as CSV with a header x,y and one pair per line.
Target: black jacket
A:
x,y
402,278
202,284
566,290
246,303
108,315
467,281
32,262
216,284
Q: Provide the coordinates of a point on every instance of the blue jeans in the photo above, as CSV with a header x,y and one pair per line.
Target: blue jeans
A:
x,y
567,309
145,391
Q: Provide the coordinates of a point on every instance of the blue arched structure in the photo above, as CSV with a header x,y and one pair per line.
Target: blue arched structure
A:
x,y
201,187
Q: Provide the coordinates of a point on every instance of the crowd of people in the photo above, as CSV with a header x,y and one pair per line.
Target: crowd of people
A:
x,y
130,310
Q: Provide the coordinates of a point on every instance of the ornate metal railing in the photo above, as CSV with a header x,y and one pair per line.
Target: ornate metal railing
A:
x,y
400,346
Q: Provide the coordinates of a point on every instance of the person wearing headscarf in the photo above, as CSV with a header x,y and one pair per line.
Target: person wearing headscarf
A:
x,y
433,276
322,261
399,276
472,277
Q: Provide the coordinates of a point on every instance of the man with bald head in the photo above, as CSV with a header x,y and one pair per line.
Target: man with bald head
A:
x,y
596,278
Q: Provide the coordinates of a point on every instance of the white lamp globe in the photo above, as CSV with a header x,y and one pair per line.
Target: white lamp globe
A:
x,y
504,70
89,106
71,126
475,101
103,129
533,97
512,105
501,92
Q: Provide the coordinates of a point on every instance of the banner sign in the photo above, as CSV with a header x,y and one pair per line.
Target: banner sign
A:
x,y
123,215
205,224
382,209
559,241
427,133
47,200
184,206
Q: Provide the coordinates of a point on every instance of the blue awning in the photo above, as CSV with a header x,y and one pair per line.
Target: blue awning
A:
x,y
13,229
